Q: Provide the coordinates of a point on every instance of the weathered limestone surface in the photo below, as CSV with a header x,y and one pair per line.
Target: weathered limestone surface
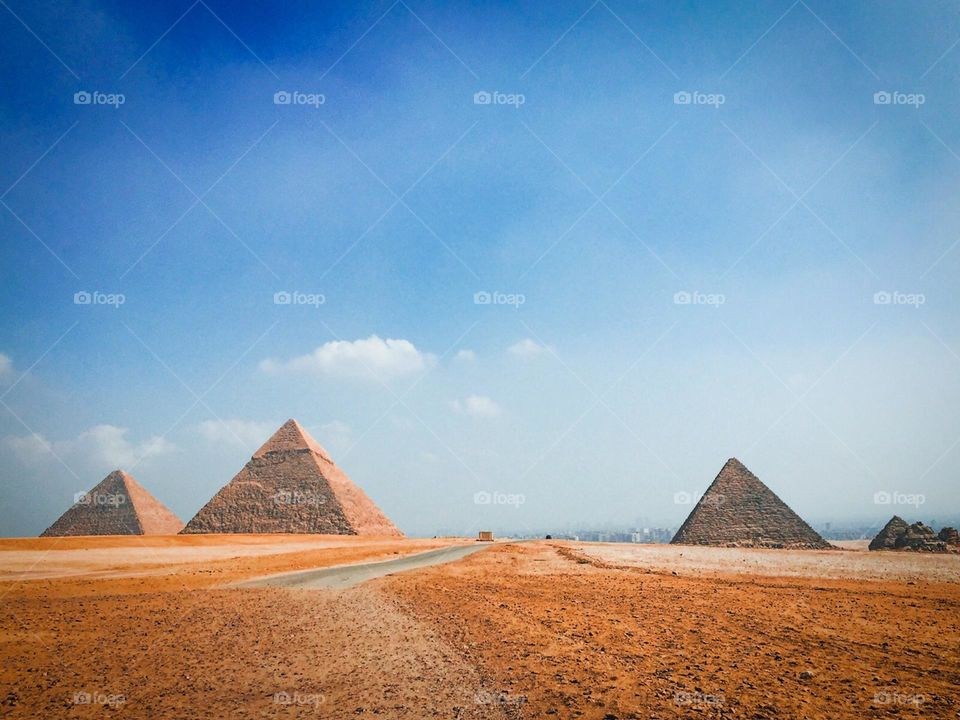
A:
x,y
739,510
291,485
119,505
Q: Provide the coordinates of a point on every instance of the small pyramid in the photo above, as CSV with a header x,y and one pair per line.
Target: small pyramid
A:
x,y
887,538
118,505
739,510
291,485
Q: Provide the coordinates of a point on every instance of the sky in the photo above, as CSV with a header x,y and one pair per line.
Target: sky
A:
x,y
521,266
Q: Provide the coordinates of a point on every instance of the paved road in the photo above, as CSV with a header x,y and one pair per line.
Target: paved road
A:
x,y
344,576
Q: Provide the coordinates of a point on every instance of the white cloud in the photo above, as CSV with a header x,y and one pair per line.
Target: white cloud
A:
x,y
477,406
6,368
336,436
385,359
101,448
467,355
247,433
526,348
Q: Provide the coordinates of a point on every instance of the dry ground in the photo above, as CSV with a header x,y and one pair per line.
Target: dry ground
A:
x,y
545,629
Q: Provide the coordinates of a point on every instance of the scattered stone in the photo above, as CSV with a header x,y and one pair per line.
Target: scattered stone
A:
x,y
897,535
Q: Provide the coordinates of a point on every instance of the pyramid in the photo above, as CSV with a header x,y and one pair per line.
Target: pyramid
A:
x,y
886,539
291,485
897,535
739,510
119,505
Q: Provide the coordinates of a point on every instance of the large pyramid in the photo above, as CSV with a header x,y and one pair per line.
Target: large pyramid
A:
x,y
291,485
119,505
739,510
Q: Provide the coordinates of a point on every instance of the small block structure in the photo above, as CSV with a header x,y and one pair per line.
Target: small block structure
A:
x,y
485,536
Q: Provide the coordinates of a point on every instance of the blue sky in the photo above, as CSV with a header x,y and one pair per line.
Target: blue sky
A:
x,y
781,200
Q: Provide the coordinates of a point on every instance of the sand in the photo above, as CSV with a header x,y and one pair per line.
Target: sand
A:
x,y
533,630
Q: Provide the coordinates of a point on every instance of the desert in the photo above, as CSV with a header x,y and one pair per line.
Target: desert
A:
x,y
162,626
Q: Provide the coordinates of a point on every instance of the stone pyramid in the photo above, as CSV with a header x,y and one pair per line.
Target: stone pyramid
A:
x,y
886,539
119,505
739,510
291,485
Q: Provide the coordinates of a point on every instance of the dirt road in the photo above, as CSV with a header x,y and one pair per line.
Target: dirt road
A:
x,y
345,576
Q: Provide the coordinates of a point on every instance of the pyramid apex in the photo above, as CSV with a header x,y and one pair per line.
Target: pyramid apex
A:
x,y
291,436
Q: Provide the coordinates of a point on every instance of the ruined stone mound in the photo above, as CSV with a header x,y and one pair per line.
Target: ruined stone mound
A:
x,y
897,535
291,485
886,539
950,536
119,505
738,510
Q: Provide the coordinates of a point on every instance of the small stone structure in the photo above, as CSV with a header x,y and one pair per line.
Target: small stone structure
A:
x,y
897,535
